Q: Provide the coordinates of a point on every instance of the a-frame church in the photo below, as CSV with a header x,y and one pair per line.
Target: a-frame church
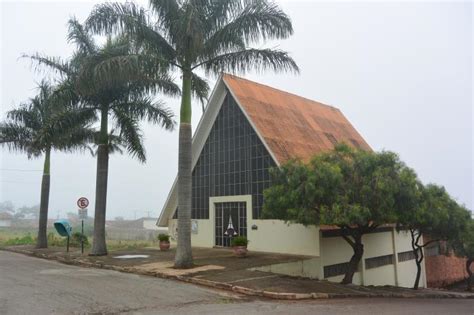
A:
x,y
248,128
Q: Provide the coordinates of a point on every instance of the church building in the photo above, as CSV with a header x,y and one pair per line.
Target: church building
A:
x,y
247,129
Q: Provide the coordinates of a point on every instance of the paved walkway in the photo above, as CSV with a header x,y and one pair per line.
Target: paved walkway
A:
x,y
218,268
30,285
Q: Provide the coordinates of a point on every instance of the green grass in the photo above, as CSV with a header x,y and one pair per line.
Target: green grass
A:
x,y
17,236
27,236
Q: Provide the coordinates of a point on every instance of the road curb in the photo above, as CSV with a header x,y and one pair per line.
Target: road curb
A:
x,y
236,288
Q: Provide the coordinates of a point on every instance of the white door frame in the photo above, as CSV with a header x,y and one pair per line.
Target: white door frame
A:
x,y
212,209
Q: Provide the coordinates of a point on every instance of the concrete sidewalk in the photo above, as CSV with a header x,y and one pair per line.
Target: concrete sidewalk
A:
x,y
218,268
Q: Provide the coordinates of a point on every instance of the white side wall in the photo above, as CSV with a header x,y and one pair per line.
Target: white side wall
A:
x,y
279,237
407,269
335,250
375,245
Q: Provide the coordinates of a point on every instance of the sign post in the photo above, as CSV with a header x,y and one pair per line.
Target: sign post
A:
x,y
82,203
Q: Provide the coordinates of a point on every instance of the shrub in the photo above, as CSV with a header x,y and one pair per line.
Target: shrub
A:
x,y
76,239
163,237
239,241
25,240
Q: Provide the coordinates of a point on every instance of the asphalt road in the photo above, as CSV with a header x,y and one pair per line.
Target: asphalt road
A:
x,y
36,286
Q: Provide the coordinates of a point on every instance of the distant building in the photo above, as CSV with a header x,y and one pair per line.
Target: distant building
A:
x,y
5,219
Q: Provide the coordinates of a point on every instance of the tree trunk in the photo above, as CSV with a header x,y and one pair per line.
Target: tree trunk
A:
x,y
42,240
184,258
469,273
418,252
418,275
358,248
99,246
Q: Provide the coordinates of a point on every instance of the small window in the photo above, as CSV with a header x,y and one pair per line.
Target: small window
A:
x,y
335,270
379,261
406,256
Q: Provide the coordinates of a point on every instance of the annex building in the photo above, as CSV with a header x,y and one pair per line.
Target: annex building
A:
x,y
248,128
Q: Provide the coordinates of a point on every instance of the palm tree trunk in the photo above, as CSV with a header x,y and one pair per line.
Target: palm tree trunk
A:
x,y
184,258
99,246
42,240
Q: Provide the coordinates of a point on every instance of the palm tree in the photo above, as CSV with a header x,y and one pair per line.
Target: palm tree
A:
x,y
191,35
121,95
45,123
197,34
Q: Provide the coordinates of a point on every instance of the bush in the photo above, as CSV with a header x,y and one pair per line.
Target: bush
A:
x,y
163,237
76,239
239,241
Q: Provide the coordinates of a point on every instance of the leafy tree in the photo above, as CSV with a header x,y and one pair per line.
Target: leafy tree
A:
x,y
121,95
196,34
25,211
464,246
43,124
354,190
430,212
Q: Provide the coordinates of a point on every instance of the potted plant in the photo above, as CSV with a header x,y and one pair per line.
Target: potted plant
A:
x,y
239,245
164,241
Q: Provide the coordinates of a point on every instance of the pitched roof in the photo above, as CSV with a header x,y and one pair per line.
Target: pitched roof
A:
x,y
291,125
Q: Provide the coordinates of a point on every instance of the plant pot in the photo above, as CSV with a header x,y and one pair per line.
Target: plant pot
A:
x,y
240,251
164,246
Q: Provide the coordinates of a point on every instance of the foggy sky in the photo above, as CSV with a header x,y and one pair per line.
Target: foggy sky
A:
x,y
400,72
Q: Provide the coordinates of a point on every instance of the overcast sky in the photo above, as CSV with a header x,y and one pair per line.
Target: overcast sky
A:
x,y
400,72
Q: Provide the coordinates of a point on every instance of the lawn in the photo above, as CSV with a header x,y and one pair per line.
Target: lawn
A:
x,y
27,236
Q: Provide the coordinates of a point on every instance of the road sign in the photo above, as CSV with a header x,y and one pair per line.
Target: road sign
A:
x,y
82,202
82,214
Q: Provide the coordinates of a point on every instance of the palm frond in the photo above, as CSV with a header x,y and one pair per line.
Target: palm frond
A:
x,y
116,70
131,135
131,19
77,139
26,117
251,59
200,89
141,108
167,12
16,137
79,36
60,126
55,63
116,143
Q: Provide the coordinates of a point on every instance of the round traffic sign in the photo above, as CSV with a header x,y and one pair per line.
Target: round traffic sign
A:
x,y
82,202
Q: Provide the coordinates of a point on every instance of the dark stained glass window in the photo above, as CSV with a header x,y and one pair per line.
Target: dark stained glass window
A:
x,y
233,162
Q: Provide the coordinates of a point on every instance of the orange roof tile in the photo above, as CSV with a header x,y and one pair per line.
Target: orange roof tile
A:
x,y
291,125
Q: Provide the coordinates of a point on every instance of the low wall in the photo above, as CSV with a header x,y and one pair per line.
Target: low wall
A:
x,y
444,270
276,236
